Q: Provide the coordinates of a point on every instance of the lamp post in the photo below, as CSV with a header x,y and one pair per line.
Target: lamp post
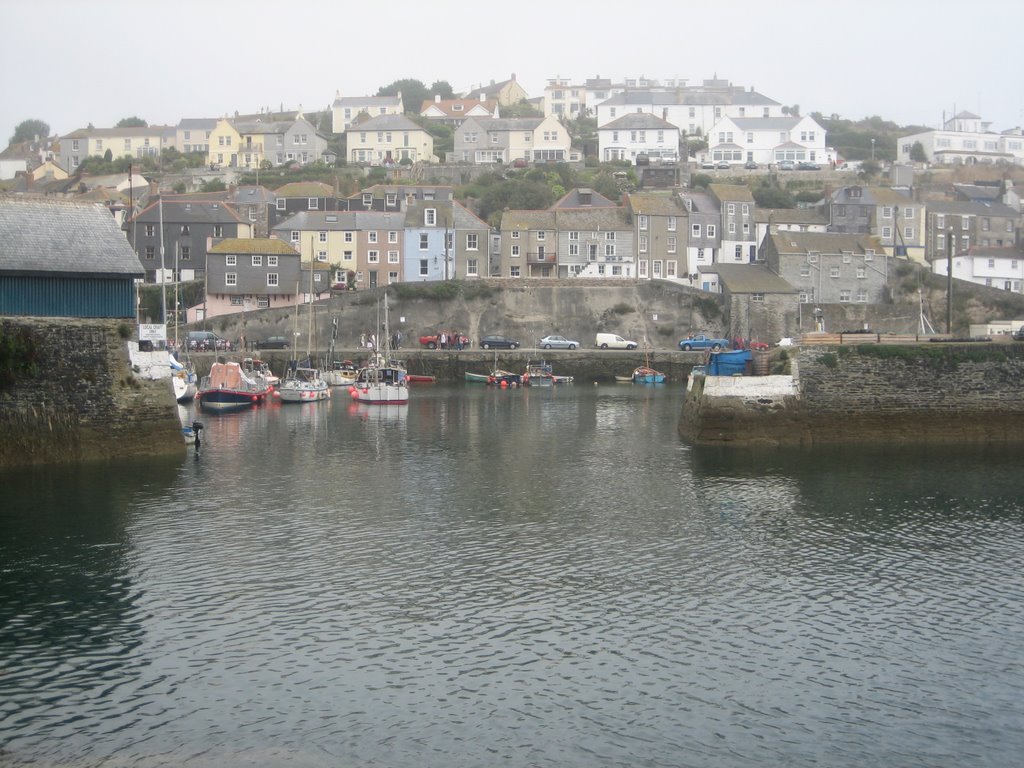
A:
x,y
872,149
950,240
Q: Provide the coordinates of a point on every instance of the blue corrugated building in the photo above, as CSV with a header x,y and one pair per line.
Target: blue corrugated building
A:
x,y
64,259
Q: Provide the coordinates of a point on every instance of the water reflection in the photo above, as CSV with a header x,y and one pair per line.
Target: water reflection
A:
x,y
527,577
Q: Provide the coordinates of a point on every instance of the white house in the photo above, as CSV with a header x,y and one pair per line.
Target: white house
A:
x,y
508,140
346,109
636,134
965,139
767,140
995,267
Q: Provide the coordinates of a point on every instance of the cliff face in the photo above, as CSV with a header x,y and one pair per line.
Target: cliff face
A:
x,y
67,393
869,394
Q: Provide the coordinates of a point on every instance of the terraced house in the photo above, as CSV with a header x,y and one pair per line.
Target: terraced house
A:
x,y
121,142
389,140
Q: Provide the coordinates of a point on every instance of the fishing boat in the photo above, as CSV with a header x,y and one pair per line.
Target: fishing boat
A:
x,y
303,384
229,388
497,376
539,374
644,375
340,373
255,366
382,381
184,379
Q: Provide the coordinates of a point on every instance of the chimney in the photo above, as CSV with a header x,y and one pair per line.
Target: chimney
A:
x,y
437,98
232,189
154,189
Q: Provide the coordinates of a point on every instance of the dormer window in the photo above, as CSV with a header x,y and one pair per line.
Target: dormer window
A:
x,y
367,199
430,217
456,107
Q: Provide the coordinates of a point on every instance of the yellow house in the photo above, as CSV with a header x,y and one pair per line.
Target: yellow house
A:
x,y
388,140
225,141
506,93
133,141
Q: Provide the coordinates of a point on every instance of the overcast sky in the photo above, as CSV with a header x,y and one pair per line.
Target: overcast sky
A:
x,y
74,62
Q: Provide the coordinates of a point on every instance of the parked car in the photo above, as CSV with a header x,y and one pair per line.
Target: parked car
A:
x,y
433,341
750,165
557,342
613,341
206,341
708,165
274,342
723,165
786,165
1018,335
700,341
498,342
804,165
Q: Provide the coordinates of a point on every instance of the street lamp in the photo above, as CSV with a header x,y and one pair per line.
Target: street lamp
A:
x,y
872,149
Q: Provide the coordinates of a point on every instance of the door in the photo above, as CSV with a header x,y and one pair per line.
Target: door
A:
x,y
373,278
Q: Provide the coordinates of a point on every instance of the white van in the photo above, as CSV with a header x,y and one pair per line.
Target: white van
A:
x,y
612,341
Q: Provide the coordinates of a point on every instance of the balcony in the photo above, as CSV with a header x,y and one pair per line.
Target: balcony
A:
x,y
548,257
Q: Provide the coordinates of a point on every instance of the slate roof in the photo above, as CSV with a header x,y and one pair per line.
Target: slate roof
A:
x,y
362,101
592,219
528,220
190,211
305,189
508,123
732,193
963,207
823,242
749,278
657,204
636,121
342,220
262,245
583,197
807,216
57,236
385,123
871,196
765,123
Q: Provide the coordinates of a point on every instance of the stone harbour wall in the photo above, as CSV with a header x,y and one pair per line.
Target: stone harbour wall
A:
x,y
940,393
67,393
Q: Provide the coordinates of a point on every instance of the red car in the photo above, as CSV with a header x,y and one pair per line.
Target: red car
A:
x,y
758,345
430,341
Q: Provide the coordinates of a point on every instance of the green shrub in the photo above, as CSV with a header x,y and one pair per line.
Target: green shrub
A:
x,y
829,360
124,330
622,308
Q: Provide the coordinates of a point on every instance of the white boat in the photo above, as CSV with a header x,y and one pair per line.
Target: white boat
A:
x,y
383,381
184,379
340,373
303,385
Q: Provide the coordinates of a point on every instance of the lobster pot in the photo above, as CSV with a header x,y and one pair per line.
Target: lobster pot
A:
x,y
761,364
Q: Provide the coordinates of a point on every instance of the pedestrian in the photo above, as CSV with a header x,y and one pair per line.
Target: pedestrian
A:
x,y
362,340
442,340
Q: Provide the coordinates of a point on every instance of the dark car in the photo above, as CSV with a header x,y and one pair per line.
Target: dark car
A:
x,y
750,165
723,165
804,165
206,341
498,342
274,342
1018,335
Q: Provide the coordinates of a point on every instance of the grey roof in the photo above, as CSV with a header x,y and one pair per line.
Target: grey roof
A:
x,y
690,95
809,216
58,236
507,123
592,219
823,242
360,101
583,197
655,203
964,207
385,123
189,212
749,278
342,221
197,123
638,121
765,123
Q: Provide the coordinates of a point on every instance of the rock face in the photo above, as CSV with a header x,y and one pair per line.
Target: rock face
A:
x,y
944,394
67,393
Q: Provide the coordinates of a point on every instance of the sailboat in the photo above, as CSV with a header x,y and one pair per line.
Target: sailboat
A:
x,y
338,373
383,381
303,382
644,374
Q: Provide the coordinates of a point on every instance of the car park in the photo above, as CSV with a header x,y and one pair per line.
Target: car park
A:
x,y
557,342
274,342
498,342
613,341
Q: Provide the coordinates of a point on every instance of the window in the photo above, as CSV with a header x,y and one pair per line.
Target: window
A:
x,y
349,237
472,242
257,260
150,230
424,241
862,273
371,236
515,251
758,297
231,261
472,268
642,222
643,243
272,261
184,229
186,252
670,245
230,278
833,272
847,257
272,279
609,249
862,296
373,257
805,270
908,233
252,214
392,237
711,230
731,207
430,217
424,268
886,233
321,256
515,234
236,301
609,235
295,236
392,257
513,271
541,235
281,203
150,251
732,227
844,295
695,230
671,224
940,221
739,253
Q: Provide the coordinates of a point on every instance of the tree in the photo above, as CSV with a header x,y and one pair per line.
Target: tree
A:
x,y
772,197
108,156
443,89
132,122
414,93
213,185
27,130
869,168
917,153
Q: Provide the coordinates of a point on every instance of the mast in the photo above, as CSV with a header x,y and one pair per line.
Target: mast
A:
x,y
163,274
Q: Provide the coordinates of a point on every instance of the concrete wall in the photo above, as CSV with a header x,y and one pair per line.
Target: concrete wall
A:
x,y
67,393
946,394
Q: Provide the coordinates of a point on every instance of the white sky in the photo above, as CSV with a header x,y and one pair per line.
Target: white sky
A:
x,y
75,62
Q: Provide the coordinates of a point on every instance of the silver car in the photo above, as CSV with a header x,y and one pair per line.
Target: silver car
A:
x,y
557,342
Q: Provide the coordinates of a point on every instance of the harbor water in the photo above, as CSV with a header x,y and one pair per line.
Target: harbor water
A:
x,y
536,577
